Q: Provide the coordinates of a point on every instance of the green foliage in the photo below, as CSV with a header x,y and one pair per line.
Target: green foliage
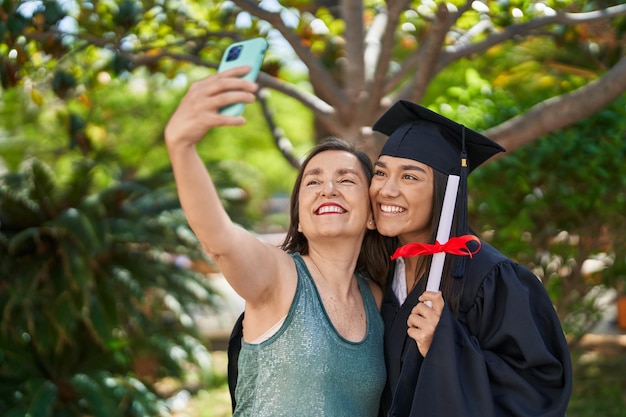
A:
x,y
40,31
599,384
464,94
558,202
90,288
120,125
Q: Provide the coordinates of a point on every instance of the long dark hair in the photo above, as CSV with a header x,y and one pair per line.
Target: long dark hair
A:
x,y
374,257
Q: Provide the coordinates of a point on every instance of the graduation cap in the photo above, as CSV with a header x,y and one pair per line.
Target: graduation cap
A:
x,y
422,135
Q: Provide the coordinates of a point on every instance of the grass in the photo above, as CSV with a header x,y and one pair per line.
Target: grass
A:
x,y
599,383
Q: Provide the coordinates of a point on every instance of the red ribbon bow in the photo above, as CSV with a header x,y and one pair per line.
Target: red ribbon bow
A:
x,y
455,246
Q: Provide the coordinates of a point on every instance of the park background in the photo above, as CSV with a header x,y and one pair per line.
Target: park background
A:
x,y
103,288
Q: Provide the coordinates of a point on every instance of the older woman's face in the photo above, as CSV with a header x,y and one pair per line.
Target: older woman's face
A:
x,y
402,198
333,197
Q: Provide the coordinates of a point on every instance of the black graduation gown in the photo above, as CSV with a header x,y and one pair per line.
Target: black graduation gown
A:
x,y
504,355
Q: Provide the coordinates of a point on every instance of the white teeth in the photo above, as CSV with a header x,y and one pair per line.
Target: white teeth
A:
x,y
330,209
391,209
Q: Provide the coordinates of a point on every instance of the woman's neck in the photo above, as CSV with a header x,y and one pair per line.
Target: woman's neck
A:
x,y
415,268
335,267
342,255
407,238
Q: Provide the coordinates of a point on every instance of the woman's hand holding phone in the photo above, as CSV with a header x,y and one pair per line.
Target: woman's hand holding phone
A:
x,y
219,99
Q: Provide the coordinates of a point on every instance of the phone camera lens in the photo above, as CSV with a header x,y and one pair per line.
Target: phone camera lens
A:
x,y
234,52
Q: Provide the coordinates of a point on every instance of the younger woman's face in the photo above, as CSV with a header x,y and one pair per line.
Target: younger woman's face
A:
x,y
401,192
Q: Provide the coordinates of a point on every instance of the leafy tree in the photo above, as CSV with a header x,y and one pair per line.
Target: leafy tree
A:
x,y
360,56
95,303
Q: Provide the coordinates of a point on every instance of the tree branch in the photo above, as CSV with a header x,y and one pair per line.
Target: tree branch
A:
x,y
465,48
317,105
283,144
378,55
558,112
424,60
323,112
373,45
318,74
354,71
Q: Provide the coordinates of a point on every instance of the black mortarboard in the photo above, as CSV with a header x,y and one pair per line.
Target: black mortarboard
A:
x,y
422,135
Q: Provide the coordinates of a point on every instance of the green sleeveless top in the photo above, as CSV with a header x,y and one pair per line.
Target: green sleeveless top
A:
x,y
307,369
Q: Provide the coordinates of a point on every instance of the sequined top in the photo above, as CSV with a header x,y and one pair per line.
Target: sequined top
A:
x,y
307,369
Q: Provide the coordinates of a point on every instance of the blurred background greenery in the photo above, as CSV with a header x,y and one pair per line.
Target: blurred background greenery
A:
x,y
101,280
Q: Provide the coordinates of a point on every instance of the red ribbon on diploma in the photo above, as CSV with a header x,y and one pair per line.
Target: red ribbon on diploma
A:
x,y
455,246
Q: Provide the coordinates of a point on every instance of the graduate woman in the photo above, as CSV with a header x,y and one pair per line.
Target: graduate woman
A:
x,y
312,334
489,343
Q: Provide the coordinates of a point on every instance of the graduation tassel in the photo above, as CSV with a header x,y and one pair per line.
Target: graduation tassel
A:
x,y
459,269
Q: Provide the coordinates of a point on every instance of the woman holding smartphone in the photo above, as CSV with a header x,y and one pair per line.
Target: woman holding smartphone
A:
x,y
312,333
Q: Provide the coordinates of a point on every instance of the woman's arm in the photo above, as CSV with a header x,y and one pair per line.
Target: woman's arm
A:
x,y
251,267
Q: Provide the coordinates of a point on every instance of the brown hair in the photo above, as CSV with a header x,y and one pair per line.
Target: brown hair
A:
x,y
374,257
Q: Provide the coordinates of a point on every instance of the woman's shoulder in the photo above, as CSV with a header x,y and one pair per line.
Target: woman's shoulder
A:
x,y
489,260
490,270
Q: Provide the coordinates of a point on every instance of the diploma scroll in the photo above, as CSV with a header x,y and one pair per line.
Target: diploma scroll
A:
x,y
443,233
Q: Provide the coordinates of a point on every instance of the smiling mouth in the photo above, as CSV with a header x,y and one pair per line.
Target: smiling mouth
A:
x,y
391,209
330,209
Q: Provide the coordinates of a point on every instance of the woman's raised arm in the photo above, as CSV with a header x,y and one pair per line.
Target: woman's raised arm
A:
x,y
252,268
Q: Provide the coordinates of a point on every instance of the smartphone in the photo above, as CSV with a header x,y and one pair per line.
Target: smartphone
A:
x,y
249,52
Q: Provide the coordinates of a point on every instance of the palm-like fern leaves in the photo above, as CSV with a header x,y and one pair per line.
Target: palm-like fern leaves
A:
x,y
86,284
